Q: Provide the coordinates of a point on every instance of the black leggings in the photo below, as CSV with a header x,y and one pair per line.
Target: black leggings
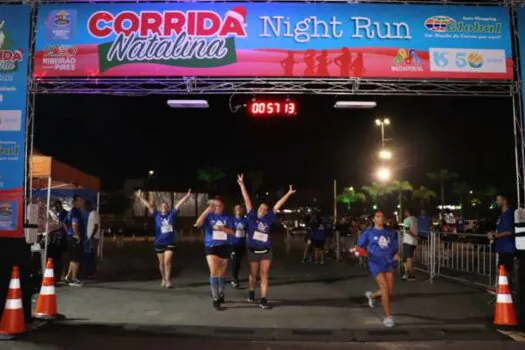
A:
x,y
238,253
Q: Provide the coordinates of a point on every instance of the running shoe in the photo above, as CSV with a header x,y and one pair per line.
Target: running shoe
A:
x,y
168,284
389,322
404,277
163,283
264,304
234,284
251,296
75,283
371,301
67,280
216,304
221,298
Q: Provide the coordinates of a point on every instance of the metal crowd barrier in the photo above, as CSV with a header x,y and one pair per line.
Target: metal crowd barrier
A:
x,y
463,257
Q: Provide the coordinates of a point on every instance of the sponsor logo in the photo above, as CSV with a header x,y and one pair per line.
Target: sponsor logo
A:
x,y
11,120
407,60
475,59
60,58
9,151
62,18
438,23
61,24
470,25
9,56
190,39
6,210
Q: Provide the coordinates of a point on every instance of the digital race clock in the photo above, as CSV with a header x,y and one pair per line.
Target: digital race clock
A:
x,y
271,108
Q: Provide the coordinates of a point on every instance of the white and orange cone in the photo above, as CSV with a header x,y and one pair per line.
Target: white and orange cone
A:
x,y
505,315
46,304
13,323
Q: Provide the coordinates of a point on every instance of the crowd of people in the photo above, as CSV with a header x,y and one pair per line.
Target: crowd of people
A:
x,y
75,242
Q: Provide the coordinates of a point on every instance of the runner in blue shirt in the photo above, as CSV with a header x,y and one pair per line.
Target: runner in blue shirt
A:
x,y
238,243
217,227
260,241
164,233
382,249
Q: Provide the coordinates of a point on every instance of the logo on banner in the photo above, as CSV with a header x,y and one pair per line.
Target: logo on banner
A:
x,y
474,25
175,38
61,24
10,120
407,60
475,59
60,58
9,57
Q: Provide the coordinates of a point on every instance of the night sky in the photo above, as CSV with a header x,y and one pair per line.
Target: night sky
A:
x,y
123,137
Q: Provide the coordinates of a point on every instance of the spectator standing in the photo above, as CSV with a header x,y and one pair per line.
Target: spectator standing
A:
x,y
76,236
503,238
410,237
58,240
424,224
93,233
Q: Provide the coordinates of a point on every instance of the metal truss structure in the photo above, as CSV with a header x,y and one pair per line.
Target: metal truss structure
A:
x,y
203,85
210,86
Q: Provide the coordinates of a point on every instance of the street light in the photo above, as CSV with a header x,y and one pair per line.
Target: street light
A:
x,y
381,123
384,174
385,154
151,173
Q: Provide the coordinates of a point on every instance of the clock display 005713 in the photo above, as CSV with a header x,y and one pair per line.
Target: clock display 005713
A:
x,y
272,108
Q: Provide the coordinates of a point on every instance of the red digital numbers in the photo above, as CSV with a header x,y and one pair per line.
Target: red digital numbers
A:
x,y
282,108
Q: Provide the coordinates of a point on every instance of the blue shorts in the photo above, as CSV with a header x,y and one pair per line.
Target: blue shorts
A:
x,y
376,269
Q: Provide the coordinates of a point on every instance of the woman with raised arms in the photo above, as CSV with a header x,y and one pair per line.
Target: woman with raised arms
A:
x,y
259,241
164,233
217,227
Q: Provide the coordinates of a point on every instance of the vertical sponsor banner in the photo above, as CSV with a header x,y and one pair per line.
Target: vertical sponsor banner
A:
x,y
14,56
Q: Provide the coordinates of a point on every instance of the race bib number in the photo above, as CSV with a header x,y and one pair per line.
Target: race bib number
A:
x,y
219,236
166,229
260,236
240,234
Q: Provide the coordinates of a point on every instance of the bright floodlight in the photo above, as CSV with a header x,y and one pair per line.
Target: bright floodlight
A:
x,y
188,103
355,104
378,122
383,174
151,172
385,154
386,121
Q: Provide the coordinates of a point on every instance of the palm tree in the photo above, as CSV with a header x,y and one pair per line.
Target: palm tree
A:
x,y
350,196
210,176
376,191
462,189
442,176
401,187
424,195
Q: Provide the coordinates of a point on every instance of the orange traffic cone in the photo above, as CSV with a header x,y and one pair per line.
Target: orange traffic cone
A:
x,y
12,323
505,315
46,304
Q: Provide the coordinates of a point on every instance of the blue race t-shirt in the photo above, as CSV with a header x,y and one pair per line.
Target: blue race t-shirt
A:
x,y
259,230
423,224
213,236
318,231
381,245
506,223
240,226
164,227
75,217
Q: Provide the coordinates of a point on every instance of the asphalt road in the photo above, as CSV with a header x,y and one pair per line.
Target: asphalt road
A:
x,y
314,306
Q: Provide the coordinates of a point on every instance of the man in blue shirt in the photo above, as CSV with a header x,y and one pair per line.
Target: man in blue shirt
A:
x,y
76,235
504,236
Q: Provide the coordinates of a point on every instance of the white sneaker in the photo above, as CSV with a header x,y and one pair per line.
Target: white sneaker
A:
x,y
405,277
371,301
163,283
389,322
